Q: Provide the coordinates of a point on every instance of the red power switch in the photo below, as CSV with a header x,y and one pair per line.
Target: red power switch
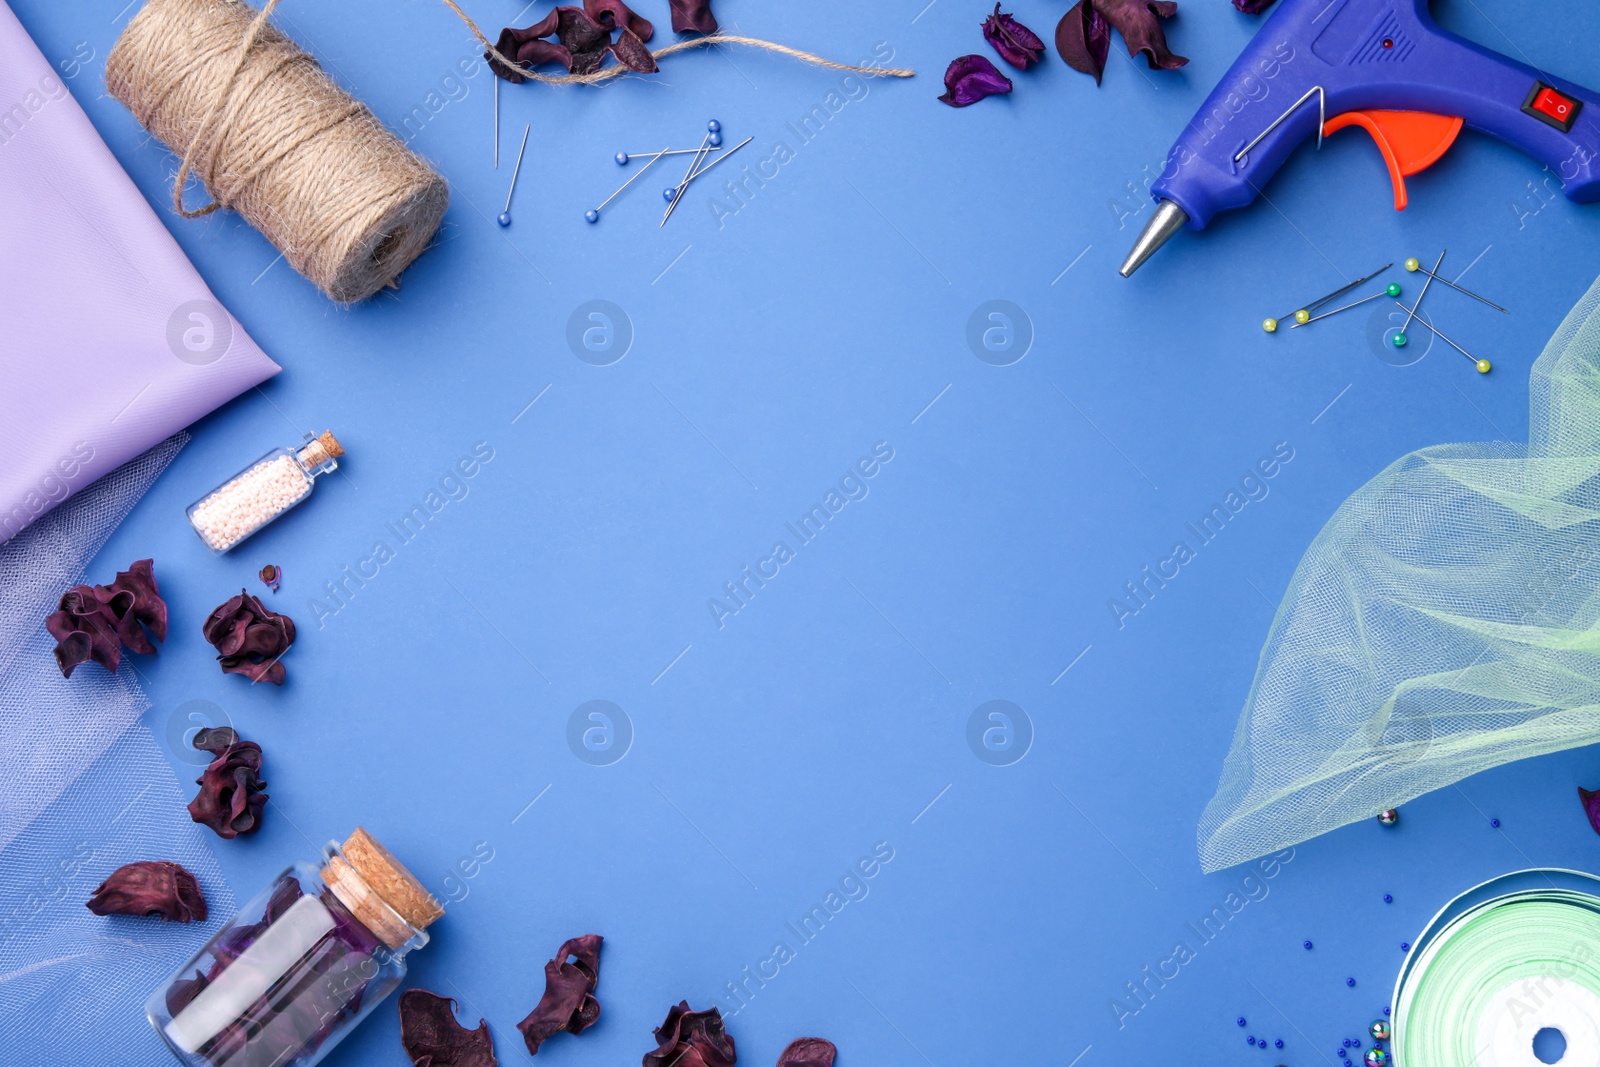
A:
x,y
1551,106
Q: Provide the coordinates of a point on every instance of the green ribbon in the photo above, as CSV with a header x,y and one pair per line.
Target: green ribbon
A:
x,y
1491,970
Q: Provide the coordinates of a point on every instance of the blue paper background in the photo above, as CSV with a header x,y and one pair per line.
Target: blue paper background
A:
x,y
770,352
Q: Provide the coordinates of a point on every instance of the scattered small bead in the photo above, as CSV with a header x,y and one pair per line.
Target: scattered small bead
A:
x,y
1379,1030
592,215
1240,1020
715,140
1270,325
1351,982
504,219
1278,1043
1405,946
1355,1043
1394,289
1250,1040
1308,946
714,126
668,193
1347,1042
1413,265
1399,340
1387,899
1386,1009
1389,817
1484,366
622,159
1302,316
1495,823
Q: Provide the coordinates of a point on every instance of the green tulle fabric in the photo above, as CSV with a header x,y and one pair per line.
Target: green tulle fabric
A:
x,y
1445,621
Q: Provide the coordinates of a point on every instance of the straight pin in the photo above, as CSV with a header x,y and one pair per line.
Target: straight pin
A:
x,y
719,159
1414,266
1391,291
593,214
1411,312
1483,366
1271,325
505,216
623,158
688,176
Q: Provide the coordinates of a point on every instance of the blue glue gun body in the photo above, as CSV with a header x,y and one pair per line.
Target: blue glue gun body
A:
x,y
1316,66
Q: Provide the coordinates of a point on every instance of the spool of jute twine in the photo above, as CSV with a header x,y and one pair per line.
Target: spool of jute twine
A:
x,y
273,137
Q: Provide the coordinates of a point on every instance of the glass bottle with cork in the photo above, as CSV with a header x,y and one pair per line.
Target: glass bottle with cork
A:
x,y
263,491
300,965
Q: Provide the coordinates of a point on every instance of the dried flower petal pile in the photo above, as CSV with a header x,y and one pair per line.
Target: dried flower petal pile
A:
x,y
969,79
250,639
692,1039
583,37
231,797
433,1038
95,621
568,1003
150,887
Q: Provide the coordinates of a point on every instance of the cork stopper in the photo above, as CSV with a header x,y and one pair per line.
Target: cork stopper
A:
x,y
379,891
324,448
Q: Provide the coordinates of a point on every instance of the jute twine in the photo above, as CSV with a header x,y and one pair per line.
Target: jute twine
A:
x,y
272,137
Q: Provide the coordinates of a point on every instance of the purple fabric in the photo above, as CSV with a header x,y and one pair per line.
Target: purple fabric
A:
x,y
111,340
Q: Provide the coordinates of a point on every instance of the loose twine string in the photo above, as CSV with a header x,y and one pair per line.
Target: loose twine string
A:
x,y
274,138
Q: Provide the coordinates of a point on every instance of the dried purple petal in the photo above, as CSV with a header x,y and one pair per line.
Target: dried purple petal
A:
x,y
808,1052
692,1039
970,79
230,798
250,639
1591,806
1083,37
96,621
586,39
568,1002
1252,7
215,739
271,575
583,47
614,14
528,50
433,1038
150,887
1016,44
632,53
692,16
1139,22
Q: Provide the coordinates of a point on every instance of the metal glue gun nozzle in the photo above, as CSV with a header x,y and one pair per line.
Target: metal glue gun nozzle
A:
x,y
1168,220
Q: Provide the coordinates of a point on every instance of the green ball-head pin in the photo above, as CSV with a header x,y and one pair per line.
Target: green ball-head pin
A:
x,y
1394,289
1399,340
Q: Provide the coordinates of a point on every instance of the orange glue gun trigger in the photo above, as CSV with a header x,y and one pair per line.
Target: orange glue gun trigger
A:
x,y
1410,141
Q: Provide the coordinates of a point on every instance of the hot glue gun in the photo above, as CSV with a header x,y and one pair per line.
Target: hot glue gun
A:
x,y
1317,66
